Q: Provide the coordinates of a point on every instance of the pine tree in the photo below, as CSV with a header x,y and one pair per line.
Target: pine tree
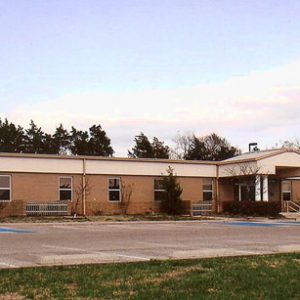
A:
x,y
159,149
142,148
171,202
61,140
34,139
99,143
11,137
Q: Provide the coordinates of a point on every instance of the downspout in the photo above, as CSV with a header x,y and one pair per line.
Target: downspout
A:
x,y
83,187
217,191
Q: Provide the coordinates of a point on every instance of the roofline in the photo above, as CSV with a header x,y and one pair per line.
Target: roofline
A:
x,y
153,160
253,159
106,158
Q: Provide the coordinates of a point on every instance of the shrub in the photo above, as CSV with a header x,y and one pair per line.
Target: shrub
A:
x,y
252,208
171,202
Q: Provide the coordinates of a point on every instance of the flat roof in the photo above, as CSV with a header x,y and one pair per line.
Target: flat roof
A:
x,y
245,157
107,158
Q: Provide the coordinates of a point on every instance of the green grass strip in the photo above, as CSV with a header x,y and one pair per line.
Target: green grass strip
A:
x,y
255,277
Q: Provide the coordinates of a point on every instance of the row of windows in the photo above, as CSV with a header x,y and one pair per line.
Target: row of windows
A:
x,y
114,189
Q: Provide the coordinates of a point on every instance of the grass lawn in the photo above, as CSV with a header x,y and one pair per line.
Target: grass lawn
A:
x,y
104,218
259,277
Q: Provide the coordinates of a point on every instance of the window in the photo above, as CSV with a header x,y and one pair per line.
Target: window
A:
x,y
114,189
65,188
286,190
159,191
207,188
5,187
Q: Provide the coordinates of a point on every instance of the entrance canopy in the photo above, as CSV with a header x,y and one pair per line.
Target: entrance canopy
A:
x,y
260,176
280,162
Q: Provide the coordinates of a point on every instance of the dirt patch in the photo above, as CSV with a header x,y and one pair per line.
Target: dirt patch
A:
x,y
296,260
11,296
253,265
71,288
276,264
175,274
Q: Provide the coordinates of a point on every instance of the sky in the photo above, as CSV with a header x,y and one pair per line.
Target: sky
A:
x,y
162,67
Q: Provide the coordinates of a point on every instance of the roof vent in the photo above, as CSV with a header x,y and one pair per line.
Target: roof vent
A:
x,y
253,147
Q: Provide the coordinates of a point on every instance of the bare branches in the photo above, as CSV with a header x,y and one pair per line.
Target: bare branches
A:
x,y
126,193
83,188
243,169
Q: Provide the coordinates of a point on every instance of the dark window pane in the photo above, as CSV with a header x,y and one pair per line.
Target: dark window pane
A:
x,y
114,195
286,186
114,183
207,196
65,183
4,181
248,192
5,195
158,184
286,196
65,195
159,195
207,187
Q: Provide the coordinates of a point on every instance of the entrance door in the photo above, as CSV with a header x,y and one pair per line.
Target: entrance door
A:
x,y
245,192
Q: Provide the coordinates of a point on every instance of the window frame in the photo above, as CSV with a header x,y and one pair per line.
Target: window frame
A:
x,y
65,189
5,189
114,190
208,191
286,191
157,190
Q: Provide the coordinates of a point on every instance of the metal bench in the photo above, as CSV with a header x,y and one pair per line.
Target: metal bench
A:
x,y
47,209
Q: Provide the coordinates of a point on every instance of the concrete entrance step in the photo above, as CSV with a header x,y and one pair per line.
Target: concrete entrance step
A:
x,y
291,215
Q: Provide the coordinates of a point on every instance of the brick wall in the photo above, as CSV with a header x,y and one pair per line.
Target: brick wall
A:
x,y
44,188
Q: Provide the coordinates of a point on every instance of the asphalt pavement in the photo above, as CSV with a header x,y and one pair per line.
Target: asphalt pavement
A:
x,y
31,244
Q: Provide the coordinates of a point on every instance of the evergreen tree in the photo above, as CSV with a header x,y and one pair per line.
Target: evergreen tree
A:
x,y
93,143
11,137
171,202
79,142
61,140
34,139
145,149
99,143
196,150
48,146
210,147
159,149
142,148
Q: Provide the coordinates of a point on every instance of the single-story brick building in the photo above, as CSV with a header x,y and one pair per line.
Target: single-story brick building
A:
x,y
100,185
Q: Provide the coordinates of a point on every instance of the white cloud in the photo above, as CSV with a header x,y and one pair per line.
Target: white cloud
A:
x,y
264,106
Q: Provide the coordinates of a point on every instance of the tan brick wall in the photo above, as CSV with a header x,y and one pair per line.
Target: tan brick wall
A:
x,y
37,187
142,199
226,190
296,191
33,187
44,188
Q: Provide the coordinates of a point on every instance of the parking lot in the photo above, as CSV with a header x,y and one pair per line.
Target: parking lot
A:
x,y
32,244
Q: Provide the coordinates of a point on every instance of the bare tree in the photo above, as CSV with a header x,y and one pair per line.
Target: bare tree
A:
x,y
182,143
248,174
293,144
83,188
243,169
126,193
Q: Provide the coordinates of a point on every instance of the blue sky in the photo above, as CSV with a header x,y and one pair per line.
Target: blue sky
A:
x,y
156,66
